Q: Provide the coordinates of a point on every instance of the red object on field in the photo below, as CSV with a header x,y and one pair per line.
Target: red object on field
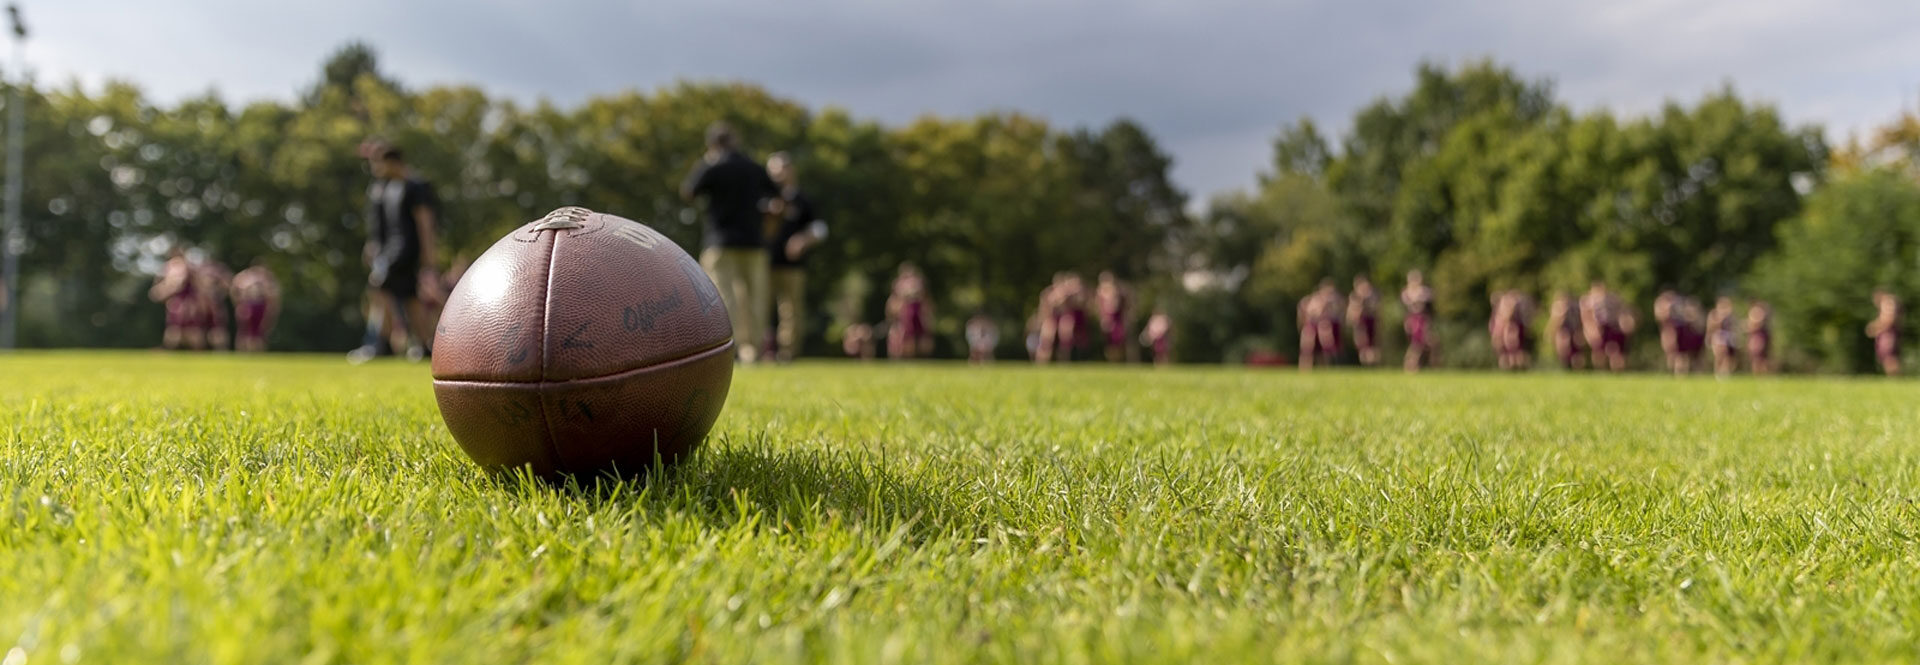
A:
x,y
1268,359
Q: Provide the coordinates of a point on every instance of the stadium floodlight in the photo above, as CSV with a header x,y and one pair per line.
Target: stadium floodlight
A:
x,y
10,240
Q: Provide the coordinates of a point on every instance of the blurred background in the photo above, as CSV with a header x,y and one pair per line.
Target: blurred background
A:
x,y
1222,156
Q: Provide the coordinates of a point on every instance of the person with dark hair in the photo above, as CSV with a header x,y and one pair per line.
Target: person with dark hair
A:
x,y
797,228
402,214
256,303
739,194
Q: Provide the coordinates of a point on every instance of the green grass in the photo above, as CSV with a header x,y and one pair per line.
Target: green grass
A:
x,y
232,510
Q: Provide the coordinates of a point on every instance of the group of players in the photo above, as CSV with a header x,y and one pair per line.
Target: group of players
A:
x,y
1592,329
761,226
1067,321
195,291
1063,325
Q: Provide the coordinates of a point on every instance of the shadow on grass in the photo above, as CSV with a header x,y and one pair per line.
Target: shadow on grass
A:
x,y
791,489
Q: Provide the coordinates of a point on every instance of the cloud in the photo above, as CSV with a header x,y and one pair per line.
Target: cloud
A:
x,y
1212,80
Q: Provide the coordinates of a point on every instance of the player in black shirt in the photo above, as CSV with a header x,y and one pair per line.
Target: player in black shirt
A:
x,y
797,229
739,194
401,215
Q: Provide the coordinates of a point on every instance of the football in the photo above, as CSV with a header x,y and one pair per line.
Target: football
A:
x,y
582,343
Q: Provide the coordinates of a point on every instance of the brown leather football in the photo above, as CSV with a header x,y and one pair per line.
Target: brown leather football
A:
x,y
582,343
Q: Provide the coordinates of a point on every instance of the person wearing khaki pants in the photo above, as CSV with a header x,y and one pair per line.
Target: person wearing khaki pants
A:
x,y
798,230
741,276
738,193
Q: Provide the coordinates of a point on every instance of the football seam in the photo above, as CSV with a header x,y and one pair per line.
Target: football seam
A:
x,y
546,310
701,354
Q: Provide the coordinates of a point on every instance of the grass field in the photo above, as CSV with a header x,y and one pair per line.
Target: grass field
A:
x,y
231,510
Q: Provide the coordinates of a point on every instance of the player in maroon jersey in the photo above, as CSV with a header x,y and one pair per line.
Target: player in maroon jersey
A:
x,y
1417,298
910,315
1363,313
1720,337
256,304
1607,322
1563,322
174,287
1114,299
1760,337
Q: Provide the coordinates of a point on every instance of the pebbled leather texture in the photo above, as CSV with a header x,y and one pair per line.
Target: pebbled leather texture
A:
x,y
582,343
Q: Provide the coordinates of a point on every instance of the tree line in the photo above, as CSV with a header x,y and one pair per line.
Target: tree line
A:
x,y
1478,176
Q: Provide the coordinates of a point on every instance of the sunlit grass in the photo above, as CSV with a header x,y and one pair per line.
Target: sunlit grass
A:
x,y
234,510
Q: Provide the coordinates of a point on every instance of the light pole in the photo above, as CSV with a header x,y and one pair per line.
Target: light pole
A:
x,y
10,241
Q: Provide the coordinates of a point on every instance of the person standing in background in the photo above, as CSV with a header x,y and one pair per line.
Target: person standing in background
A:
x,y
982,338
1417,298
1760,337
1563,322
1158,335
174,287
909,316
212,281
256,303
1114,299
1363,312
1608,323
738,193
1885,331
401,251
1720,337
797,228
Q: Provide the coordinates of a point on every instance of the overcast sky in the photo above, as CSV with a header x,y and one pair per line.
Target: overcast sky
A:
x,y
1212,80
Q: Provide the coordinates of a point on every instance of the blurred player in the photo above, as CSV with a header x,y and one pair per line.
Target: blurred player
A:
x,y
1363,313
256,304
174,287
1563,322
1666,318
1158,336
909,315
857,341
1720,337
1115,302
1508,329
1690,327
1607,324
1319,316
1063,322
982,338
1885,331
212,280
1417,298
797,230
1760,337
401,250
738,192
